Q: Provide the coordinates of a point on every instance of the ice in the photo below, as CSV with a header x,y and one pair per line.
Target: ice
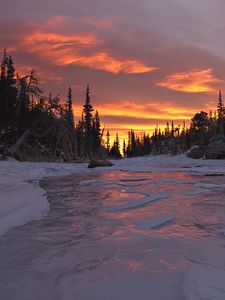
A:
x,y
175,181
134,179
221,231
137,203
210,185
156,222
13,174
147,228
195,192
130,184
205,283
95,182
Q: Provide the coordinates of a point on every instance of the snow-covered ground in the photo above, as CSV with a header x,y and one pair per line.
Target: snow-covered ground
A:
x,y
21,198
147,228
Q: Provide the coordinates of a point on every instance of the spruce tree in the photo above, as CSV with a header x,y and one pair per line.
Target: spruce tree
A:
x,y
220,106
23,110
87,115
96,134
115,150
108,142
8,101
87,110
221,114
69,110
124,148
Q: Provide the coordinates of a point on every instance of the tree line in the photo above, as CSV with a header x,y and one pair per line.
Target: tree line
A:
x,y
34,126
203,128
38,127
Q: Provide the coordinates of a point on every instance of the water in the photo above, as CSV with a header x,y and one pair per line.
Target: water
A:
x,y
119,235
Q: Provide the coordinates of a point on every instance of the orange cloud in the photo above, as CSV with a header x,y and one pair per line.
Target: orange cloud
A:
x,y
80,49
103,61
55,40
195,81
150,111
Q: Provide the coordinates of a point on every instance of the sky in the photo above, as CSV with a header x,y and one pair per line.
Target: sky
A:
x,y
147,61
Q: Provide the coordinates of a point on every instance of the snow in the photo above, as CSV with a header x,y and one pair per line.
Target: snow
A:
x,y
178,163
146,228
21,198
20,202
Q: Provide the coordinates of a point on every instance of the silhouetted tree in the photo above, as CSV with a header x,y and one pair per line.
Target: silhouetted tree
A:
x,y
69,110
221,114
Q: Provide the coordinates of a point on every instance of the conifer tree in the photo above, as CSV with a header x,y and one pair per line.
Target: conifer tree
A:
x,y
69,110
115,150
96,134
87,114
87,110
8,101
108,142
124,148
220,106
23,110
221,114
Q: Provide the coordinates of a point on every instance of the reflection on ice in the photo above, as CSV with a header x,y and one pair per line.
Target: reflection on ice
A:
x,y
156,222
121,235
135,179
136,203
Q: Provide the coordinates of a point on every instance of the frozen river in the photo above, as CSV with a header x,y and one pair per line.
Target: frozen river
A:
x,y
121,235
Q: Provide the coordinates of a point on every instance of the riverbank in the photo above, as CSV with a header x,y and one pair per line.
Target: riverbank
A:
x,y
21,198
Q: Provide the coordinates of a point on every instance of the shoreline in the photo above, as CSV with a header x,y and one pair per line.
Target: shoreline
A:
x,y
22,199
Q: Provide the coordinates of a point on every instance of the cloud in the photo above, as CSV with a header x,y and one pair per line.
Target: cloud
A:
x,y
102,43
82,48
194,81
149,111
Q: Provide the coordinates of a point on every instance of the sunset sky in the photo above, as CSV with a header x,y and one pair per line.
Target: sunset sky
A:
x,y
146,61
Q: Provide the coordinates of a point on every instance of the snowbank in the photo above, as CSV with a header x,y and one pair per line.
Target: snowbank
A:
x,y
167,163
21,198
20,202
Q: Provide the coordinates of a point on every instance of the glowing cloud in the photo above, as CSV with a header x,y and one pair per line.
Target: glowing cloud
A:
x,y
195,81
79,49
151,111
103,61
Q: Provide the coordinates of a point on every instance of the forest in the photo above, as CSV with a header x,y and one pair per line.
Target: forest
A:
x,y
37,127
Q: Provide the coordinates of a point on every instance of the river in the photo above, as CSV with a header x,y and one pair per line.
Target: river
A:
x,y
121,235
